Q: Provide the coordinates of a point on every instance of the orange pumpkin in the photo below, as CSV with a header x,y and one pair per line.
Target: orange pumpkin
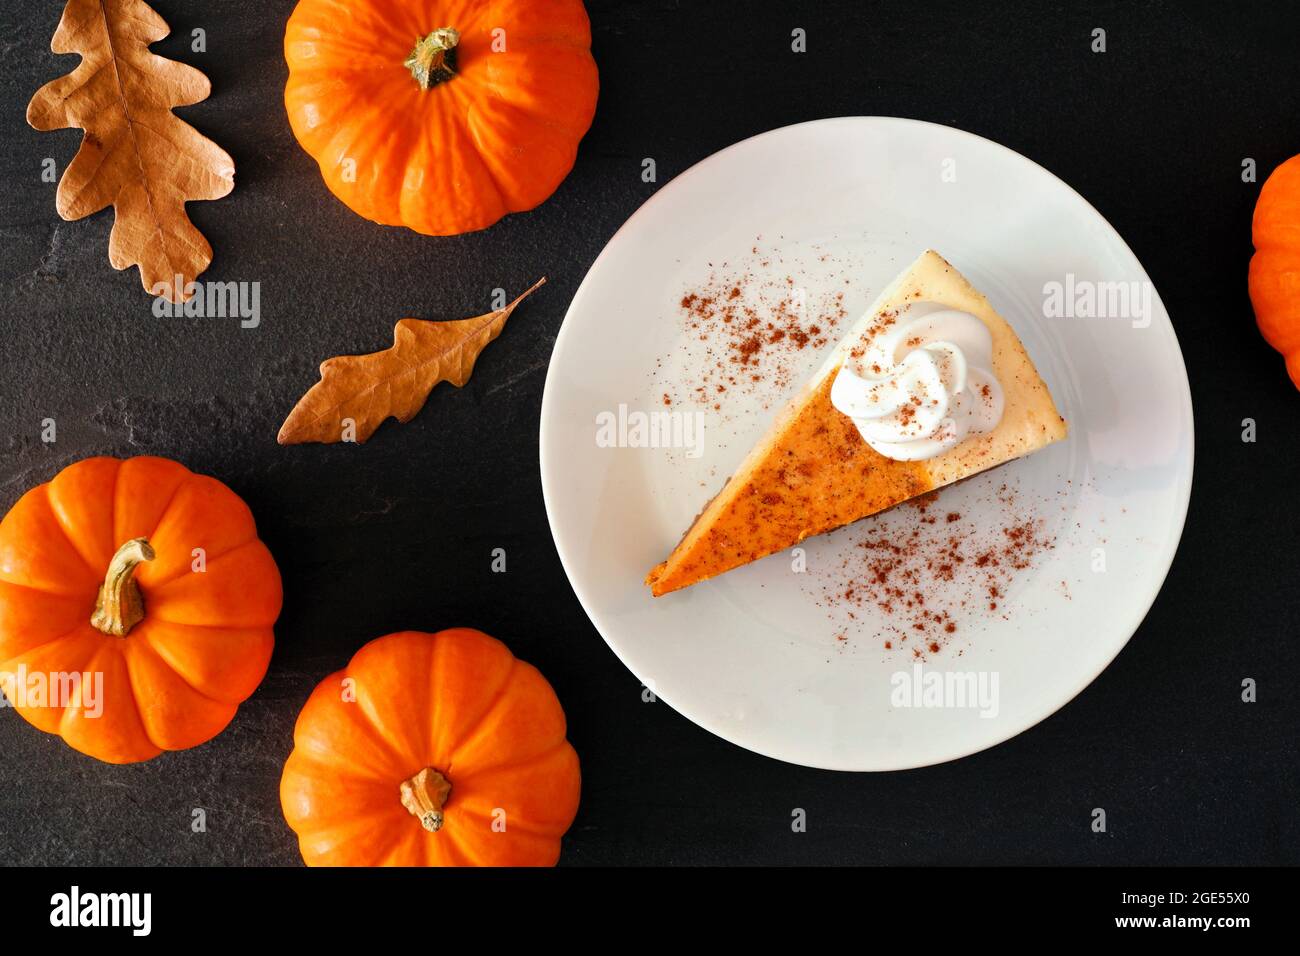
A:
x,y
440,115
136,605
1275,267
431,750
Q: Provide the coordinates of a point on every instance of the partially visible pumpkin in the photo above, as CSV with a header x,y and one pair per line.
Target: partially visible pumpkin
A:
x,y
147,577
431,750
1275,267
440,115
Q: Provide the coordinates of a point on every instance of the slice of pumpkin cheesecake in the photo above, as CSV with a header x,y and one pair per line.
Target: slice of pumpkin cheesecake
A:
x,y
929,387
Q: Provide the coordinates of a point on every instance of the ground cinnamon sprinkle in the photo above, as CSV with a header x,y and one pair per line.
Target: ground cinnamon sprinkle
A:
x,y
910,589
754,330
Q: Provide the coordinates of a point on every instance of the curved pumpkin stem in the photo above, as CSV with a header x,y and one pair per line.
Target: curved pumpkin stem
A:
x,y
120,605
434,58
424,795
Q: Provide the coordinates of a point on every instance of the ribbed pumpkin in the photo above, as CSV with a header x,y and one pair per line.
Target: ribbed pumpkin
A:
x,y
1275,267
431,750
148,577
440,115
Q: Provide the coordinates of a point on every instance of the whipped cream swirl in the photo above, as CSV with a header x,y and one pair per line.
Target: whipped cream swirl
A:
x,y
923,384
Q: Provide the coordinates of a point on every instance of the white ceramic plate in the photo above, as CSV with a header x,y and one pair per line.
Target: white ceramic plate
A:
x,y
755,656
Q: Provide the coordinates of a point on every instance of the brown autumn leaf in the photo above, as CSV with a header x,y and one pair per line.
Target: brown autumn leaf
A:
x,y
136,155
394,383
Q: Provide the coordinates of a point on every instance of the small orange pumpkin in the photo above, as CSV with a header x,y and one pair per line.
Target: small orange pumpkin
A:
x,y
440,115
431,750
1275,267
136,605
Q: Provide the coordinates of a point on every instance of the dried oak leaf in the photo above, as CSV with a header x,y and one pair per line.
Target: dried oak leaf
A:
x,y
395,383
136,156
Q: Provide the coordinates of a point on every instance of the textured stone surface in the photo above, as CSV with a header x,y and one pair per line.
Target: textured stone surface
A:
x,y
397,534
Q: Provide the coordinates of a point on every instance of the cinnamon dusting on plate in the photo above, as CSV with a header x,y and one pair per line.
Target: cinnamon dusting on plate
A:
x,y
912,588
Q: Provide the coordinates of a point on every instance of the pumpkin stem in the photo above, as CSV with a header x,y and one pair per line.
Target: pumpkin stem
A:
x,y
434,57
424,796
120,606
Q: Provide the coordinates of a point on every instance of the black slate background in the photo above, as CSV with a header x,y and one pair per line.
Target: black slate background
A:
x,y
397,533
